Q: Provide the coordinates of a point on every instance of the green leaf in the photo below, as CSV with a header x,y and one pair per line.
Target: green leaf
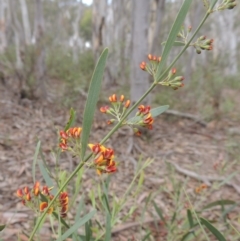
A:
x,y
159,212
219,203
108,227
190,218
176,43
186,235
93,95
35,161
212,229
154,112
172,35
88,230
77,225
146,237
46,177
71,119
2,226
212,4
159,110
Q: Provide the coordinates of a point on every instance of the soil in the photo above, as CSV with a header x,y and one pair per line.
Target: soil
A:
x,y
198,154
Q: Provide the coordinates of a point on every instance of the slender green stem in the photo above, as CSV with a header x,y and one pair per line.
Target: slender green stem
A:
x,y
185,47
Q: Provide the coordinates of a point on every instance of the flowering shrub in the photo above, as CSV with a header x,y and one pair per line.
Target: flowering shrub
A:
x,y
75,140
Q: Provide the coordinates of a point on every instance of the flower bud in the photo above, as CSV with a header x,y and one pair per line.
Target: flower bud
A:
x,y
202,37
113,98
127,104
121,98
150,57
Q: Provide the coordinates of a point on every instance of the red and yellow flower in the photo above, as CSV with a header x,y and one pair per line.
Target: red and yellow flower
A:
x,y
103,160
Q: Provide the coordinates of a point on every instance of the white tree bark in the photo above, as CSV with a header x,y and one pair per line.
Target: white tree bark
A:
x,y
3,39
76,38
17,30
39,34
99,9
25,19
226,40
155,43
139,78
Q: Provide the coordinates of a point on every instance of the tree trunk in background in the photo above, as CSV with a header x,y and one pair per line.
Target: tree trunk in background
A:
x,y
3,40
17,30
39,34
76,38
99,9
226,36
139,78
155,43
117,27
25,20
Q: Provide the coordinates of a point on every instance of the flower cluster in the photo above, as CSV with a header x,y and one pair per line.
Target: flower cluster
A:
x,y
200,188
70,134
170,80
103,158
38,199
203,43
151,67
145,120
118,108
63,204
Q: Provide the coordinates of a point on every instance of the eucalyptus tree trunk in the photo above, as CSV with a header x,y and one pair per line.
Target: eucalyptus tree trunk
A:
x,y
17,30
25,20
3,39
99,9
76,38
139,44
227,36
117,28
40,53
155,43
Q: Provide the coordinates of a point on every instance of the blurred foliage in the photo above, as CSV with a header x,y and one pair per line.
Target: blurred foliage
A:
x,y
86,24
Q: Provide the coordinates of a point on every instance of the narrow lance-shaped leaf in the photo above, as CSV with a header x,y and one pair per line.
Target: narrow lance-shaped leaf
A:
x,y
154,112
176,43
46,177
77,225
218,203
93,95
173,34
2,227
35,161
212,229
190,218
71,119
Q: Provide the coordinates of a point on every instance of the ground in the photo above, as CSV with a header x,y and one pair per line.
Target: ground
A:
x,y
179,147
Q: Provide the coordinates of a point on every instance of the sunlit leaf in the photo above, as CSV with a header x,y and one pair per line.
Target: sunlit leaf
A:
x,y
91,103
